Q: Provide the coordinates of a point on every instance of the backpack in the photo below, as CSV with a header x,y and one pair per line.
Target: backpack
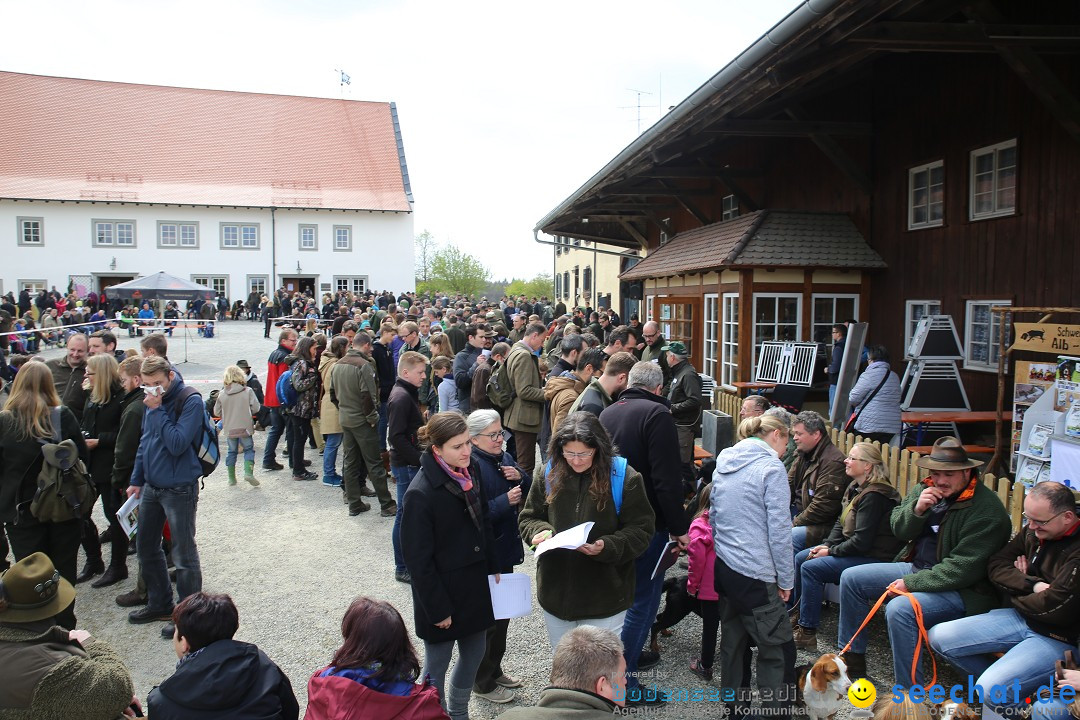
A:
x,y
618,475
62,493
206,443
286,393
498,389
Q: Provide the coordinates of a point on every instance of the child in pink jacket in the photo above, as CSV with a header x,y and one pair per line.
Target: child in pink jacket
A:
x,y
699,584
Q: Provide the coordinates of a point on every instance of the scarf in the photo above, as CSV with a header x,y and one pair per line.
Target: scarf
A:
x,y
969,491
462,487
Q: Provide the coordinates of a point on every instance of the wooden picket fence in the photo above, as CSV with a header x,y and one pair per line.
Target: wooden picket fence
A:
x,y
901,463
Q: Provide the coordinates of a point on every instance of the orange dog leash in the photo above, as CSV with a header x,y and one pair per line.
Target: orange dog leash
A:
x,y
922,639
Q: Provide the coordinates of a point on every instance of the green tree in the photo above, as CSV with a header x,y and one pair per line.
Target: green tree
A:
x,y
539,286
425,253
454,271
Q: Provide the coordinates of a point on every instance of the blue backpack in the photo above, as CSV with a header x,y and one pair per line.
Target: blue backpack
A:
x,y
286,393
206,443
618,475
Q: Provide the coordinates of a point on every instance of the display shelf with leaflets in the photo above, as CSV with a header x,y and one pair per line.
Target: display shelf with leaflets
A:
x,y
1032,380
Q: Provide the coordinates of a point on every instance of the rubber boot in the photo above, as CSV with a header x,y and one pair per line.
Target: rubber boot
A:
x,y
249,473
457,700
232,474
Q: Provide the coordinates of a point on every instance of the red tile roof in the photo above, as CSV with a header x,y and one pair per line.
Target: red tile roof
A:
x,y
766,238
70,139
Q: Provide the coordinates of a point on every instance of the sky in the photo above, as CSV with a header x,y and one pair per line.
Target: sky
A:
x,y
505,108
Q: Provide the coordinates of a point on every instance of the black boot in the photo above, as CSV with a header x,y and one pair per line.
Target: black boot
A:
x,y
117,569
92,546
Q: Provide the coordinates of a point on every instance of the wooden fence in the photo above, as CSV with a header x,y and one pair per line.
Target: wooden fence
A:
x,y
901,463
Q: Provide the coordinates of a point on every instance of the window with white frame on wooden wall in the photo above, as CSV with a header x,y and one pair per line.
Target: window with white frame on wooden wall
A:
x,y
729,340
914,310
731,207
648,308
993,181
777,317
711,346
926,195
831,310
982,335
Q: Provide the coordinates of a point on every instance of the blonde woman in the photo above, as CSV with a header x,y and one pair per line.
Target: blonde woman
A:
x,y
100,422
861,535
30,415
236,405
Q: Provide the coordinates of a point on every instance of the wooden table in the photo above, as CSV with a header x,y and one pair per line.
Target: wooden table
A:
x,y
921,419
700,455
753,387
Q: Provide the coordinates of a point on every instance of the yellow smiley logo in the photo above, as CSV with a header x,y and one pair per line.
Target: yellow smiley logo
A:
x,y
862,693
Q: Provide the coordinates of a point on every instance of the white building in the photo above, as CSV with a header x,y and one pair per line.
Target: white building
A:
x,y
102,182
587,275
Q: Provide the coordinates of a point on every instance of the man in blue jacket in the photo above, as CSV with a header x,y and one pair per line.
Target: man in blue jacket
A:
x,y
166,480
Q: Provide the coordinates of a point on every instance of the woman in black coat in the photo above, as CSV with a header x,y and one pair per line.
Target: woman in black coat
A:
x,y
449,551
100,423
506,486
25,422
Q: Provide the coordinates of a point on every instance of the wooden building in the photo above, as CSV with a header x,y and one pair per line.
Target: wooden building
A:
x,y
865,158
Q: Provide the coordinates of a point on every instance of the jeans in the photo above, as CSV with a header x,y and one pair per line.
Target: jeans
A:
x,y
811,576
235,443
860,587
1050,710
832,397
1029,657
557,627
277,427
178,506
642,614
402,476
381,426
455,697
798,538
329,458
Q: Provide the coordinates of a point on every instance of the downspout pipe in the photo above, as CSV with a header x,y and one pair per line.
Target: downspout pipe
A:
x,y
273,253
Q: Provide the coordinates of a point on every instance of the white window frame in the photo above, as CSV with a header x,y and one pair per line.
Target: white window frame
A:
x,y
115,227
179,228
798,314
993,340
247,236
217,283
649,304
910,321
34,286
21,224
300,239
729,339
730,208
264,279
356,284
834,297
930,221
711,334
995,210
348,230
558,285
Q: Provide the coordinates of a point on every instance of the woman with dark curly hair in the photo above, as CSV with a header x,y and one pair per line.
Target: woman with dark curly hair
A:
x,y
586,481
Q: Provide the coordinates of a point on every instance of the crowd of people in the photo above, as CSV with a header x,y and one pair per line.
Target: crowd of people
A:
x,y
503,424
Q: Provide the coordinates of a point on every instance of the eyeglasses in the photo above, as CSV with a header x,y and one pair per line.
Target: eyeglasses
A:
x,y
578,456
493,437
1042,523
852,457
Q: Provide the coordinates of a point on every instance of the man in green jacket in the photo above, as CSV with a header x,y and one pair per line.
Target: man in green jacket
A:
x,y
355,392
654,351
526,411
951,524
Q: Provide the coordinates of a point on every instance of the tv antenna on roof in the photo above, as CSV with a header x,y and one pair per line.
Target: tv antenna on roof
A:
x,y
343,79
638,106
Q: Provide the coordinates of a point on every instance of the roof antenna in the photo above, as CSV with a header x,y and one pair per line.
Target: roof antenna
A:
x,y
638,106
344,79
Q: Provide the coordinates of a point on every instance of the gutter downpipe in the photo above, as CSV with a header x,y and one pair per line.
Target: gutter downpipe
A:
x,y
273,252
793,23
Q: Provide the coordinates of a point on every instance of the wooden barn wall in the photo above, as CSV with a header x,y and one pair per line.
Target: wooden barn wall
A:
x,y
932,107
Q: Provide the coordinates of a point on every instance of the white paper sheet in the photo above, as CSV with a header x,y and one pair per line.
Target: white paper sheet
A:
x,y
128,515
511,597
570,539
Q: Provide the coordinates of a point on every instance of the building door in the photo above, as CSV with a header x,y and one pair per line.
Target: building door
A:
x,y
677,318
299,284
109,281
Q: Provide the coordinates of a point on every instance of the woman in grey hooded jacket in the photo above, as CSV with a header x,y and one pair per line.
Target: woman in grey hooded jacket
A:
x,y
755,570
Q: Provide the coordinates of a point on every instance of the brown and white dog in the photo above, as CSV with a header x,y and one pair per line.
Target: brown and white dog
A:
x,y
823,686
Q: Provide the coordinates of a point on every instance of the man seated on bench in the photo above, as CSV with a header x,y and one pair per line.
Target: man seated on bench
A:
x,y
951,524
818,481
1036,570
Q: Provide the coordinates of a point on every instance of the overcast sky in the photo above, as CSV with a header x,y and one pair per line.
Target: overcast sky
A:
x,y
506,108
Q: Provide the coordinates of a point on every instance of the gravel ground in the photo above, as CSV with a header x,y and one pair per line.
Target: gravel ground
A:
x,y
292,560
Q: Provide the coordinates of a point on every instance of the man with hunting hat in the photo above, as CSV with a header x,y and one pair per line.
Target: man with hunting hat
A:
x,y
951,524
49,671
687,404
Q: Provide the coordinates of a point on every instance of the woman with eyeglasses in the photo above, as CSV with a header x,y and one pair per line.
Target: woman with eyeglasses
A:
x,y
861,535
505,486
586,481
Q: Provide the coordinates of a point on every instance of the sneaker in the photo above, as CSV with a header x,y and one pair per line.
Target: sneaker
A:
x,y
149,615
331,481
405,577
805,638
131,599
306,476
705,673
272,465
168,630
508,682
648,659
498,695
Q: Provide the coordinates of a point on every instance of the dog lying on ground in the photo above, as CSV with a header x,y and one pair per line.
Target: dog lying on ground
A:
x,y
823,686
